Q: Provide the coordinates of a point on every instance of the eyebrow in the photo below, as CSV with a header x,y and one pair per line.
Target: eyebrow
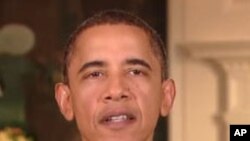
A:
x,y
97,63
136,61
90,64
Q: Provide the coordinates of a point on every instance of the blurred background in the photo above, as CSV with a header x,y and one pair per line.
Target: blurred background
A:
x,y
209,54
32,37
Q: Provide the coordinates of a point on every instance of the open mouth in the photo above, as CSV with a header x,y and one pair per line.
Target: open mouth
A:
x,y
117,120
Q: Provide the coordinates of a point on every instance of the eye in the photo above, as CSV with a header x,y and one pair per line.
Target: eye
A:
x,y
95,74
136,72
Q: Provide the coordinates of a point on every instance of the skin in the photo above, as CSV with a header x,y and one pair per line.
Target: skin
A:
x,y
114,73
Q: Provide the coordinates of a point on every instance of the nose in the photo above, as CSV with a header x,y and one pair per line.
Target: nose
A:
x,y
117,90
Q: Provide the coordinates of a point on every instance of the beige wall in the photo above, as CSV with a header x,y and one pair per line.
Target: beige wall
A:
x,y
209,45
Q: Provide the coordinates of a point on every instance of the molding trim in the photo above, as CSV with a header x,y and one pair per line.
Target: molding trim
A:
x,y
233,58
217,50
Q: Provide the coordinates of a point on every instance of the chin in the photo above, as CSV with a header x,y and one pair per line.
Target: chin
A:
x,y
117,137
120,139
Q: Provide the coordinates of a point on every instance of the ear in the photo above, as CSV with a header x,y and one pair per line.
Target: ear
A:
x,y
64,100
168,88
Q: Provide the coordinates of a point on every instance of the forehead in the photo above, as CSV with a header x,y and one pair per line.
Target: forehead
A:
x,y
113,30
112,41
116,36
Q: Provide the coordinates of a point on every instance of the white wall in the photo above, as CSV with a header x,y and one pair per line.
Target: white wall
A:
x,y
209,45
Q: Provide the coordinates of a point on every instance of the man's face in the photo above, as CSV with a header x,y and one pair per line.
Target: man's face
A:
x,y
115,90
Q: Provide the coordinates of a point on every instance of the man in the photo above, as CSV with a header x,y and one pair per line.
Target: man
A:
x,y
115,85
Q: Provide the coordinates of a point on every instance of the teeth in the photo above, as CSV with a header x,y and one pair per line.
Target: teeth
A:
x,y
118,118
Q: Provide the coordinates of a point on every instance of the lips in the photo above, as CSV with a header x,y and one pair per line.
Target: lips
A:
x,y
117,119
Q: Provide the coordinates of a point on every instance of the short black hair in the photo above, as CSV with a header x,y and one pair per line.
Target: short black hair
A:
x,y
114,17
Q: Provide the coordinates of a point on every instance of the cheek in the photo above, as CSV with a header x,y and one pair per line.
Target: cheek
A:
x,y
148,99
147,95
83,106
85,103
